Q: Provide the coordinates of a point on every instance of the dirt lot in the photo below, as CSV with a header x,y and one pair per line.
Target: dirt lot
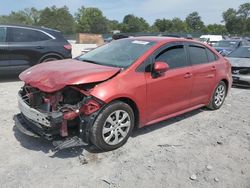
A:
x,y
211,146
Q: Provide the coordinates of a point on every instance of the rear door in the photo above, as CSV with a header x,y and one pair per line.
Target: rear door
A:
x,y
26,46
4,57
169,92
204,73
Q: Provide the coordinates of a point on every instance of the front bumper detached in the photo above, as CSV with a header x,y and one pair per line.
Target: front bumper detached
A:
x,y
67,127
34,129
47,125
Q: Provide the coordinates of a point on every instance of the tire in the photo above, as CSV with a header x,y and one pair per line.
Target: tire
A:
x,y
47,59
113,126
218,96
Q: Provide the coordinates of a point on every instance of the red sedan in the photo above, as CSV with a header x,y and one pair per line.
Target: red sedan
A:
x,y
101,96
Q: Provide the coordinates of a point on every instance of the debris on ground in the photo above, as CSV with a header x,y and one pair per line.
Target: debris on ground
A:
x,y
209,167
193,177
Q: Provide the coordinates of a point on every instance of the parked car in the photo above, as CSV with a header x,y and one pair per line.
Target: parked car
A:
x,y
240,61
101,96
22,47
224,47
210,39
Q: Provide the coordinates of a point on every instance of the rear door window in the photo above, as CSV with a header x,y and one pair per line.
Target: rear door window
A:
x,y
175,56
198,55
26,35
3,34
211,56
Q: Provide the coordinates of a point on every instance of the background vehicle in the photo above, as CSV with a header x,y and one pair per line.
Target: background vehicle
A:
x,y
210,39
240,61
22,47
133,82
224,47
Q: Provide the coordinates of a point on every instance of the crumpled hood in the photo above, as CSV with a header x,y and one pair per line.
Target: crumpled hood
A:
x,y
239,62
53,76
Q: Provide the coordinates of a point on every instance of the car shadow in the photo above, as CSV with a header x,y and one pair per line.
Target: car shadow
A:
x,y
165,123
9,78
46,146
39,144
241,87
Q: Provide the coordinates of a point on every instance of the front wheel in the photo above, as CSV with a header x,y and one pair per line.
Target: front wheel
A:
x,y
218,97
113,126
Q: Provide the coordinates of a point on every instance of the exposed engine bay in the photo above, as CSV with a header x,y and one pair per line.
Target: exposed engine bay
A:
x,y
64,114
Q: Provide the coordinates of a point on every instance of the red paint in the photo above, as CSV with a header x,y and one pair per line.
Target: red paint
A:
x,y
90,107
55,75
70,115
64,129
160,67
172,93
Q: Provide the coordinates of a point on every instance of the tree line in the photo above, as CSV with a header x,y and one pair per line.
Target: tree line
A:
x,y
92,20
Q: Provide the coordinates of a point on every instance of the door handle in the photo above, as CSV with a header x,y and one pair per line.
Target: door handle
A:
x,y
39,47
213,68
188,75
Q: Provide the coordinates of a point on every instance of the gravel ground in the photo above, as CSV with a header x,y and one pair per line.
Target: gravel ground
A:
x,y
198,149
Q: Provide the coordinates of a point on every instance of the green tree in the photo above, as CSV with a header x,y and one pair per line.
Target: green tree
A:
x,y
244,15
132,24
216,29
91,20
232,21
113,25
33,15
57,18
163,24
178,26
18,17
244,10
194,22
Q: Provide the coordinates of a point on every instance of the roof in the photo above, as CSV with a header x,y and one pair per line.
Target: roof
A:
x,y
161,39
30,27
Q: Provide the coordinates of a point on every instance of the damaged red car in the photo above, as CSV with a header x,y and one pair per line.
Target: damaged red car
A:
x,y
101,96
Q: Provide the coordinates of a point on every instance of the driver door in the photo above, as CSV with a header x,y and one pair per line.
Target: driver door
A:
x,y
170,92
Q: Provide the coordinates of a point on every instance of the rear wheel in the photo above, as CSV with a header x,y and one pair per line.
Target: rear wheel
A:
x,y
218,97
113,126
47,59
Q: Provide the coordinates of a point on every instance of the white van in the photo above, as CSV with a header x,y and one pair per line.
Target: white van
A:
x,y
210,39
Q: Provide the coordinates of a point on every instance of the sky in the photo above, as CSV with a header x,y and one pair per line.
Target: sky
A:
x,y
210,10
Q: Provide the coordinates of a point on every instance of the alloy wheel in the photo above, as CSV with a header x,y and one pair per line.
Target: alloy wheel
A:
x,y
116,127
219,95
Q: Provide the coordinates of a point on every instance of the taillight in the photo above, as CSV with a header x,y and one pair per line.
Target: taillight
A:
x,y
67,46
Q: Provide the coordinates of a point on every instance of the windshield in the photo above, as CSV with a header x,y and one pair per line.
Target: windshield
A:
x,y
243,52
226,44
118,53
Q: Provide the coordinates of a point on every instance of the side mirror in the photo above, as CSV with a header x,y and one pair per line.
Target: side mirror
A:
x,y
160,67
